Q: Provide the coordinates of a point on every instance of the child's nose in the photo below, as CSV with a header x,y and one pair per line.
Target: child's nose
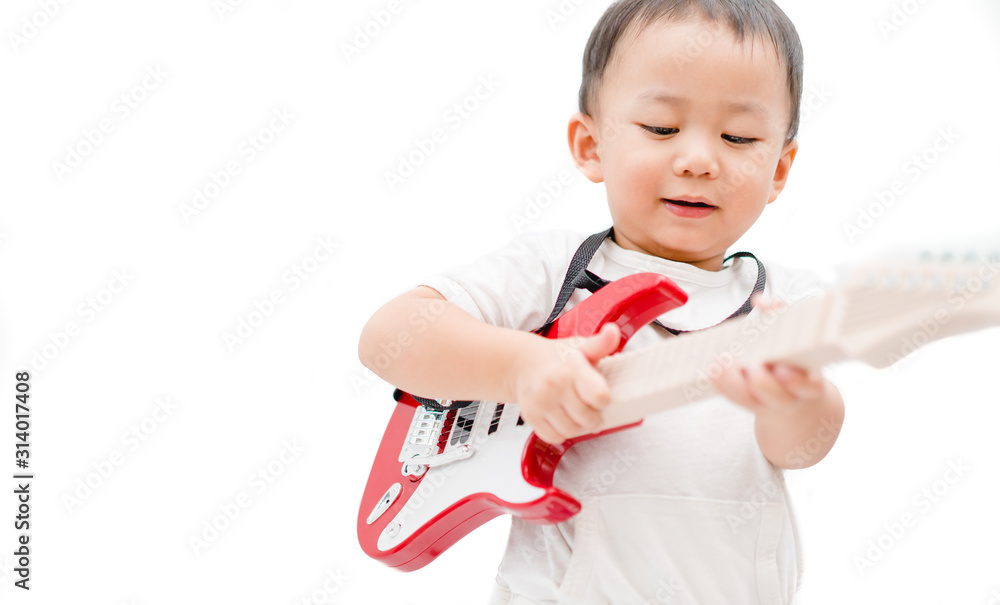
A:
x,y
695,158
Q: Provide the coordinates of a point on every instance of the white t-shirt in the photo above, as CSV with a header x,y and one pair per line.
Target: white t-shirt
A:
x,y
683,509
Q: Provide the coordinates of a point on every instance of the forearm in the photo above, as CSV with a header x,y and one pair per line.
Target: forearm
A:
x,y
432,348
802,436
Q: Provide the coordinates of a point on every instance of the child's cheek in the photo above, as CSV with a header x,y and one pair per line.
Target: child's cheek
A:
x,y
644,169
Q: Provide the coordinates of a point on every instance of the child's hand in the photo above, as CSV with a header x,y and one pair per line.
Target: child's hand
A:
x,y
557,386
770,387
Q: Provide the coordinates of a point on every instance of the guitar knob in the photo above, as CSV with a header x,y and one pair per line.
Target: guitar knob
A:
x,y
414,471
385,502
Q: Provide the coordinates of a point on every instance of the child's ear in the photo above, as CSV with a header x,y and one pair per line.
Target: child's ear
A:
x,y
784,167
583,146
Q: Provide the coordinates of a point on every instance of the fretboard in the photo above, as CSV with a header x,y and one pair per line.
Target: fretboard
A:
x,y
679,370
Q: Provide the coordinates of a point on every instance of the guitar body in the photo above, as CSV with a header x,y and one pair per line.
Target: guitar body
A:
x,y
438,475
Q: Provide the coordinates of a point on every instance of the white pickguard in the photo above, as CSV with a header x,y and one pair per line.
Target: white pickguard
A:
x,y
494,467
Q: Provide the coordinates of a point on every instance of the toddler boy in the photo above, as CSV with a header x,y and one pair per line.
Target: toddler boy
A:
x,y
688,115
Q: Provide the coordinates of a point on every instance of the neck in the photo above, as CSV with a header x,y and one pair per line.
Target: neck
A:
x,y
712,263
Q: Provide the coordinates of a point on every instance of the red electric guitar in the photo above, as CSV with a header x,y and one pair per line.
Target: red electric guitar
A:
x,y
439,474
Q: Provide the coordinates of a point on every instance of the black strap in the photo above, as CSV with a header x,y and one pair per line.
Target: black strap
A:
x,y
431,404
577,276
577,266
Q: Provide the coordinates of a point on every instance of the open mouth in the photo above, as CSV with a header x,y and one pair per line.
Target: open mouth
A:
x,y
689,204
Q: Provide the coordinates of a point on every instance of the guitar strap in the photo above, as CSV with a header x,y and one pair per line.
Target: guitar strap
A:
x,y
577,276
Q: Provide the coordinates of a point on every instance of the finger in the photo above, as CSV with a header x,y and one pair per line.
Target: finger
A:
x,y
592,388
546,432
582,414
732,383
804,384
766,388
602,344
565,426
766,302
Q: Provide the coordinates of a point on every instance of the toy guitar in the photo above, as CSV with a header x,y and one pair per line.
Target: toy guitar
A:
x,y
439,474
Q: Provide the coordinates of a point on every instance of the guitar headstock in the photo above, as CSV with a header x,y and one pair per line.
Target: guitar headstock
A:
x,y
886,311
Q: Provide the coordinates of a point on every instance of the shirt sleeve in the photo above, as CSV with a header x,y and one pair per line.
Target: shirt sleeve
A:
x,y
798,284
793,284
514,286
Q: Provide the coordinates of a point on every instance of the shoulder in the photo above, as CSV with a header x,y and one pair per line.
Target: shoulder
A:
x,y
536,249
555,243
792,284
514,285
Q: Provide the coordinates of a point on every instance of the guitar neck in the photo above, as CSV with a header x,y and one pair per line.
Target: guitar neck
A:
x,y
680,370
878,316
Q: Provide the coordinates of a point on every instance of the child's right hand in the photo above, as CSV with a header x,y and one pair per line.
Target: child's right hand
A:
x,y
560,391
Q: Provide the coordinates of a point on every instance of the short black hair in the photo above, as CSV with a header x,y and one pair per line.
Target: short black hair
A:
x,y
759,18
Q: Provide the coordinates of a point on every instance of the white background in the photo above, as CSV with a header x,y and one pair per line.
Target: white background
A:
x,y
877,99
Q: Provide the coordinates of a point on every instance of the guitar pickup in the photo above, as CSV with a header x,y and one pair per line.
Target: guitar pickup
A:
x,y
422,438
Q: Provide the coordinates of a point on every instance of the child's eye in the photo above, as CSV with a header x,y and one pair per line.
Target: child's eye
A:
x,y
660,131
738,140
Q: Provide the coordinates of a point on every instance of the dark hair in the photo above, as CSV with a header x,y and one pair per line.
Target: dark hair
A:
x,y
758,18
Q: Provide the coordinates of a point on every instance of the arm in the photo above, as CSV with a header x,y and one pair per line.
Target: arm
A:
x,y
804,433
798,414
425,345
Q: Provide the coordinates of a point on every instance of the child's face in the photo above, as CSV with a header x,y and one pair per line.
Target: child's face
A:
x,y
692,144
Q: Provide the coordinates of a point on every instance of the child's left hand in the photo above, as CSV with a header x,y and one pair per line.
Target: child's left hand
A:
x,y
771,387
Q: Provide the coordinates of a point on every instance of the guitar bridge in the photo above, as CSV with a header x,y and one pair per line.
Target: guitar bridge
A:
x,y
437,437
